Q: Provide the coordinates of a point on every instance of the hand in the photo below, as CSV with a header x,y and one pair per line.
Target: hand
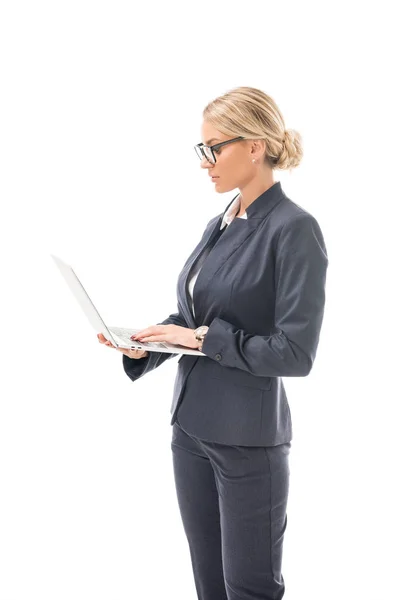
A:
x,y
172,334
136,353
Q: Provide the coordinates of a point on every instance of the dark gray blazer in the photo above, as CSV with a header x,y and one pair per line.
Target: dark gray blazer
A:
x,y
261,291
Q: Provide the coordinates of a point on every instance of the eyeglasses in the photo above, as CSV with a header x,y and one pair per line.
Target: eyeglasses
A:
x,y
208,151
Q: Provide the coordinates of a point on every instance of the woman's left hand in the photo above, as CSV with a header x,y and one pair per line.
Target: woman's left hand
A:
x,y
172,334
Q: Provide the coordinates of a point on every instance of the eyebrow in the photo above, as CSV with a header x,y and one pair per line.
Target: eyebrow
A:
x,y
212,140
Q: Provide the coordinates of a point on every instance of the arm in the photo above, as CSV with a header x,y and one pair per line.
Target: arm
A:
x,y
137,367
300,274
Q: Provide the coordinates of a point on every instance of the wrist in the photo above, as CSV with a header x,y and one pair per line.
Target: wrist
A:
x,y
200,334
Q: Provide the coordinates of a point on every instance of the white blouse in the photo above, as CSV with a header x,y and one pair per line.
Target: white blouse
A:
x,y
226,221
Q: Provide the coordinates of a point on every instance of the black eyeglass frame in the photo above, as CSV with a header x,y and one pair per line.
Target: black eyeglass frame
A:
x,y
214,147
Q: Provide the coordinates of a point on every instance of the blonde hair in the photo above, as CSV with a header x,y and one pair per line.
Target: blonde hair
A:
x,y
249,112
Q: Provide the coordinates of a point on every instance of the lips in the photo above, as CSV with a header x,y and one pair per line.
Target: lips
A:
x,y
214,176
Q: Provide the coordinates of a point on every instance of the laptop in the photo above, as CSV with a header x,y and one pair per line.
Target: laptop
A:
x,y
119,336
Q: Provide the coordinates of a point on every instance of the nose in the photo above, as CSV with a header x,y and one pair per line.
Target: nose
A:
x,y
205,163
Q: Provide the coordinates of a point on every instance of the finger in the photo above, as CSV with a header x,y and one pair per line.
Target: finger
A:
x,y
139,334
154,330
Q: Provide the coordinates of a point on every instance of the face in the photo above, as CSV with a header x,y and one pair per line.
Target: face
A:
x,y
234,167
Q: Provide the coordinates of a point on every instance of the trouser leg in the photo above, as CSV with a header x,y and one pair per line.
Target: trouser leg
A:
x,y
253,486
199,507
233,504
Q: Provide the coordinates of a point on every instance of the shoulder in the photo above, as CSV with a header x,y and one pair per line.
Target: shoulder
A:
x,y
296,228
289,215
287,211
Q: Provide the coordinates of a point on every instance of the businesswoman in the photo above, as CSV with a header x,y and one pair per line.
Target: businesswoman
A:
x,y
251,298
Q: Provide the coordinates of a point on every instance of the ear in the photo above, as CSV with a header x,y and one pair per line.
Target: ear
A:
x,y
258,148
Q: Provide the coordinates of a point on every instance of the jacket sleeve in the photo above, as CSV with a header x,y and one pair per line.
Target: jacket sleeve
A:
x,y
301,263
137,367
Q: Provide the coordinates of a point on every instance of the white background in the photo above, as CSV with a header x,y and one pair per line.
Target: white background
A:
x,y
101,106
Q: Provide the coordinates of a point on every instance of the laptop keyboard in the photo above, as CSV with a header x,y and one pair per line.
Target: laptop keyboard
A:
x,y
125,335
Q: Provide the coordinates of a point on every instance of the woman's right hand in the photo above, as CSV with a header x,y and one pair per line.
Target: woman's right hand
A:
x,y
136,353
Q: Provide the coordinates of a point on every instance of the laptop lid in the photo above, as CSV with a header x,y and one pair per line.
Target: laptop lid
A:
x,y
82,297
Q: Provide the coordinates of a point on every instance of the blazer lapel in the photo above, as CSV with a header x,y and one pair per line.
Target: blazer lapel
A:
x,y
228,241
184,301
231,238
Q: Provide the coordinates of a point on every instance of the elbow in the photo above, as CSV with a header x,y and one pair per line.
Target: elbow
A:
x,y
305,368
302,363
299,369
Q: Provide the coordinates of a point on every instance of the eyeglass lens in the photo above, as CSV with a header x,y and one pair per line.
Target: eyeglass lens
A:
x,y
207,151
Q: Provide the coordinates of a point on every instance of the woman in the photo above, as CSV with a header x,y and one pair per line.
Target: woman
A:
x,y
251,297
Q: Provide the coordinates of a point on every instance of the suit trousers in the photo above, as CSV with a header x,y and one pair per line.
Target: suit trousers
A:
x,y
232,501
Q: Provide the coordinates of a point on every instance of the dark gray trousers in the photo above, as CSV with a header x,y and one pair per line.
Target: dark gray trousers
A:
x,y
233,500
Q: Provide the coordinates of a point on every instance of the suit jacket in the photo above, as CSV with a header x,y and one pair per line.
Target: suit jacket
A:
x,y
261,291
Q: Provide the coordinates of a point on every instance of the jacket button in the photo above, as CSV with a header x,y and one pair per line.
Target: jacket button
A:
x,y
218,357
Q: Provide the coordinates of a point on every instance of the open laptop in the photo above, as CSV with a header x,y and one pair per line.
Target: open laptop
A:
x,y
118,336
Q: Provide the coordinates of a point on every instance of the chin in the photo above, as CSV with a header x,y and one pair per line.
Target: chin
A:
x,y
220,189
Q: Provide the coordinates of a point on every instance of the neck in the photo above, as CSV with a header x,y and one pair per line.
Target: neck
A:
x,y
252,190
